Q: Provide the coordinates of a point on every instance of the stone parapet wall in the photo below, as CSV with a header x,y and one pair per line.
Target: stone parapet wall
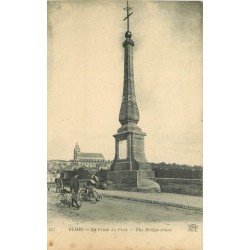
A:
x,y
181,186
132,181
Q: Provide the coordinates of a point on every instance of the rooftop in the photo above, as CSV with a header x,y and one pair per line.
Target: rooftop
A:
x,y
90,155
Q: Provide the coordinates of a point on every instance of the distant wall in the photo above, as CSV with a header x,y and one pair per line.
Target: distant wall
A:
x,y
181,186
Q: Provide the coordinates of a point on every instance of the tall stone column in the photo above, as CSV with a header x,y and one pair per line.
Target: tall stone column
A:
x,y
130,169
129,113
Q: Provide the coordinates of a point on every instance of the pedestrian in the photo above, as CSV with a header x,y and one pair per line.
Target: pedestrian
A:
x,y
74,188
93,181
95,178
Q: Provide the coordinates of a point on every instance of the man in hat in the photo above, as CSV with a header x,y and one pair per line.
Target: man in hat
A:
x,y
91,184
74,188
93,181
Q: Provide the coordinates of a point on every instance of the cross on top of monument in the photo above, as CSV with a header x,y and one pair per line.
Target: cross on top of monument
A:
x,y
128,8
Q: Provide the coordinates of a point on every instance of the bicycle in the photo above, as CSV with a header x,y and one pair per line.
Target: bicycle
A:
x,y
62,200
90,195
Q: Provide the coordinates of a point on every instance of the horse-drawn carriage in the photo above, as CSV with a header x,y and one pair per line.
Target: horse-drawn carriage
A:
x,y
63,182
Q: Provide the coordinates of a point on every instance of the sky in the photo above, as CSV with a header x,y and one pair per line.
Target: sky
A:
x,y
85,77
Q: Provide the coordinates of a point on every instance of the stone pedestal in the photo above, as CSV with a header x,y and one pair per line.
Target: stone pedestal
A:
x,y
133,180
129,150
130,170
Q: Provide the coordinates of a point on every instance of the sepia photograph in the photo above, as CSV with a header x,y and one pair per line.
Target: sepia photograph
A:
x,y
124,125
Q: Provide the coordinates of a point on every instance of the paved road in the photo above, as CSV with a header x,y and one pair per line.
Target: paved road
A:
x,y
118,210
169,199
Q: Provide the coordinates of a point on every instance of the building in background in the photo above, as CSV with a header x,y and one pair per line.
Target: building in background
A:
x,y
51,177
94,161
89,161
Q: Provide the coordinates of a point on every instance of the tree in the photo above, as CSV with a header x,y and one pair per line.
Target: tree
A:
x,y
83,173
102,175
173,170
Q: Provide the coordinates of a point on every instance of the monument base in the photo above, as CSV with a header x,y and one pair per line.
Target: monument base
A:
x,y
133,180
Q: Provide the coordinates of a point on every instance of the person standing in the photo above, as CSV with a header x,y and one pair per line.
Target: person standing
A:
x,y
74,188
95,178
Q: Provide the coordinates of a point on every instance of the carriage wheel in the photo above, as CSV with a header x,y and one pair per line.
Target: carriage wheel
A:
x,y
61,200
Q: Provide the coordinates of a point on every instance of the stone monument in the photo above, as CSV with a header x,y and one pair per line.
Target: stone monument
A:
x,y
130,169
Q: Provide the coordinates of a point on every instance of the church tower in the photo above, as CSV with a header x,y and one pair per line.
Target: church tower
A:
x,y
130,169
76,151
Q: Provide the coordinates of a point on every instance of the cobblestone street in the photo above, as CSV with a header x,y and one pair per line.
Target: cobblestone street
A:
x,y
118,210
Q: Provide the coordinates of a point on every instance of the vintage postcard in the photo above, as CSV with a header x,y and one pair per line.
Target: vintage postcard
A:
x,y
124,167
